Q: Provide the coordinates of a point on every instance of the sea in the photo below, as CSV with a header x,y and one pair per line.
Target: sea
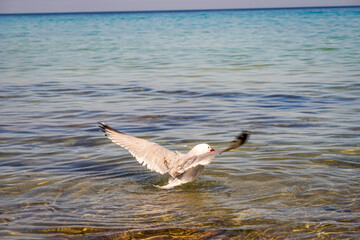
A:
x,y
289,76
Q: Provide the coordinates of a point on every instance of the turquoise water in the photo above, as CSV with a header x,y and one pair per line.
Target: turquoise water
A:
x,y
291,77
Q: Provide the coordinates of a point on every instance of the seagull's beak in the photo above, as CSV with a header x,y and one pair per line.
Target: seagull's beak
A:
x,y
211,150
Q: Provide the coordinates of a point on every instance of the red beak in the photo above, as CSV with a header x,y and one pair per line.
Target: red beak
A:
x,y
211,150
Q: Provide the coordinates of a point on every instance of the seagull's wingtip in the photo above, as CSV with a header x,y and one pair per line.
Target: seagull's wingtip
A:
x,y
101,123
244,133
243,137
106,128
102,126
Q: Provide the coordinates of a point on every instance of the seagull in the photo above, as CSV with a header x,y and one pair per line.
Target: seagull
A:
x,y
182,168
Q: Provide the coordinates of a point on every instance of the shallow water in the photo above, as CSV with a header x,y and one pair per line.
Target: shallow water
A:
x,y
291,77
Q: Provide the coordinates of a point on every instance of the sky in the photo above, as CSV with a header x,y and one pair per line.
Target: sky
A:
x,y
50,6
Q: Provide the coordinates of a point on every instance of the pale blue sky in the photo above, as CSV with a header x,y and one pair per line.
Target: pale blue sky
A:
x,y
40,6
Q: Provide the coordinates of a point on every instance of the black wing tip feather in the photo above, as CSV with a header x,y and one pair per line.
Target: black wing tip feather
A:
x,y
243,137
106,128
103,126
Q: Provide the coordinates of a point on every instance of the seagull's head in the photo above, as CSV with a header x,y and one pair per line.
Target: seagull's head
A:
x,y
202,149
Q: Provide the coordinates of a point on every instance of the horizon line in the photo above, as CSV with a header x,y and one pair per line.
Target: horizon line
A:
x,y
181,10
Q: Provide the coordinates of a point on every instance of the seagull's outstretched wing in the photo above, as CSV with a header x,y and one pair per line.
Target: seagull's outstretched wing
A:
x,y
203,159
154,156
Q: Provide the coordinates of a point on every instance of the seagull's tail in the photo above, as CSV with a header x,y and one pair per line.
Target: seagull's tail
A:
x,y
172,183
